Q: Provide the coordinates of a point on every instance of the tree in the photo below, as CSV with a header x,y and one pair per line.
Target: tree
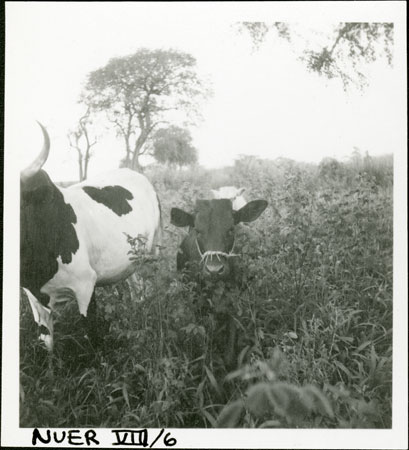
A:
x,y
79,139
258,31
349,48
173,146
138,92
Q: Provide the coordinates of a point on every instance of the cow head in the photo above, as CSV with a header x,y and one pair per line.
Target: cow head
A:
x,y
212,232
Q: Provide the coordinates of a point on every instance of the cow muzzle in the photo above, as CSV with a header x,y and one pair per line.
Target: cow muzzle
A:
x,y
215,263
215,267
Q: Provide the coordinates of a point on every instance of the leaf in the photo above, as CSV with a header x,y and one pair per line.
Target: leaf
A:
x,y
374,359
139,367
362,346
210,418
346,339
125,394
189,328
213,381
199,393
370,408
200,330
343,368
282,393
270,424
308,399
292,335
22,394
242,355
320,401
47,402
230,415
237,373
259,401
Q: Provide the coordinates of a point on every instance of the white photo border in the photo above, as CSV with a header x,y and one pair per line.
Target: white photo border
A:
x,y
396,438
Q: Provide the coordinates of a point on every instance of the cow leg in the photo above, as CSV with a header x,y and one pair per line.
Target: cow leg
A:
x,y
90,324
230,351
42,315
92,321
84,291
85,294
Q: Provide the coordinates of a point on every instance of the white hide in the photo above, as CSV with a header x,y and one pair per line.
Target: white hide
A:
x,y
232,193
102,257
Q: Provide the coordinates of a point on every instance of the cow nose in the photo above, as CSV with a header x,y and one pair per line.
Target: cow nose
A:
x,y
215,268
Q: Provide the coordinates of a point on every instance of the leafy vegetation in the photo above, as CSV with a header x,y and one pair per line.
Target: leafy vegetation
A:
x,y
313,315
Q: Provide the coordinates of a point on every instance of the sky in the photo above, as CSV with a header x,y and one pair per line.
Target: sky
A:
x,y
265,103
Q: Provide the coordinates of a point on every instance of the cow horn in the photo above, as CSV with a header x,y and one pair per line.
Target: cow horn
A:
x,y
36,165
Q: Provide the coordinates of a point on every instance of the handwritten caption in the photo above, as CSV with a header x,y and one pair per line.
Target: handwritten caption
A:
x,y
133,438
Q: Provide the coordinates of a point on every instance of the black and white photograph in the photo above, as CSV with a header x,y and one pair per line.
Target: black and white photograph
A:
x,y
205,225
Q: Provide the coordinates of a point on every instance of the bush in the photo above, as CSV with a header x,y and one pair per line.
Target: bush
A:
x,y
313,312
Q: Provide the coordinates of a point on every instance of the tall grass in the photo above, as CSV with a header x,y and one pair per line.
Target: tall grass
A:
x,y
313,314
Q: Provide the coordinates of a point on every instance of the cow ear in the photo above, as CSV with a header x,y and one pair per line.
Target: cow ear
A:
x,y
241,191
250,211
181,218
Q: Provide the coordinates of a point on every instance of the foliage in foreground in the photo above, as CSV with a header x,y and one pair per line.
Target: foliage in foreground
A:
x,y
313,315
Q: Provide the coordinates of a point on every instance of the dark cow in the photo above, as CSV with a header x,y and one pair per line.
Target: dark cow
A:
x,y
211,238
76,238
210,244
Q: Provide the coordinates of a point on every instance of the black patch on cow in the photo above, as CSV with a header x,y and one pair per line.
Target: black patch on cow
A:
x,y
46,233
113,197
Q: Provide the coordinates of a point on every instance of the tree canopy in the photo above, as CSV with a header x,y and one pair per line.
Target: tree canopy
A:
x,y
349,47
137,93
173,146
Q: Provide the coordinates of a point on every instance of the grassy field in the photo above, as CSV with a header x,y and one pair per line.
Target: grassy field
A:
x,y
313,313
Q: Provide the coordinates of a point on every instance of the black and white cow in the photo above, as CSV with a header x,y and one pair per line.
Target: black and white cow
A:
x,y
73,239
